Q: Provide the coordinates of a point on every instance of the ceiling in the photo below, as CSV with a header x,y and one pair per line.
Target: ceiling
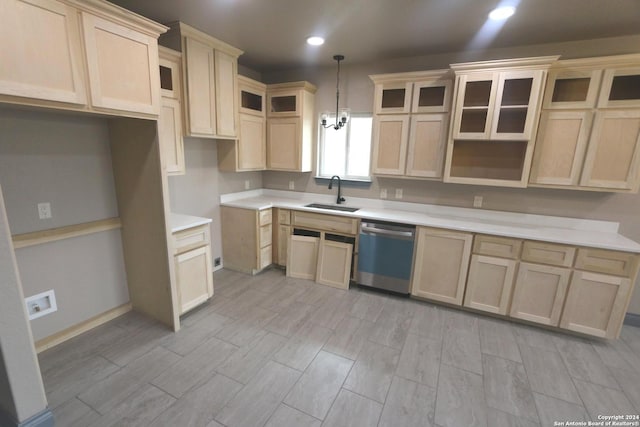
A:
x,y
272,33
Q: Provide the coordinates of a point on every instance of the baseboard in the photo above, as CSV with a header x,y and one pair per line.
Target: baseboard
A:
x,y
43,419
74,331
632,319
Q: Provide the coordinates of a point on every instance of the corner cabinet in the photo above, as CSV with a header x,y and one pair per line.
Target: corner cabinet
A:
x,y
290,126
170,119
589,136
410,123
249,152
495,117
247,238
194,273
100,58
441,262
210,82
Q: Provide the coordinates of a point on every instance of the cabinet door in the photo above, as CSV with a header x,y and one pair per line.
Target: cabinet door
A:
x,y
613,155
199,64
427,145
195,278
440,265
283,144
560,147
284,103
123,67
42,40
572,89
334,264
282,244
475,102
302,257
226,89
390,138
393,98
252,147
170,136
539,293
431,97
620,88
517,105
170,76
596,304
490,284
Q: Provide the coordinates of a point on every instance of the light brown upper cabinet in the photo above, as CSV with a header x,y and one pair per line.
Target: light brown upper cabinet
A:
x,y
589,134
170,119
99,57
249,152
290,126
210,82
495,117
410,123
122,66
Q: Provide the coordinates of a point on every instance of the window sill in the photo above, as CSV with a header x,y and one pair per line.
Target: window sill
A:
x,y
349,182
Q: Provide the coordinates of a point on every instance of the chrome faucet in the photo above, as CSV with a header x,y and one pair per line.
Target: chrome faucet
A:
x,y
340,199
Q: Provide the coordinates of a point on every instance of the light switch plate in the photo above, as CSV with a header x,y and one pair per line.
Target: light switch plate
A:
x,y
383,193
292,185
247,184
398,193
477,201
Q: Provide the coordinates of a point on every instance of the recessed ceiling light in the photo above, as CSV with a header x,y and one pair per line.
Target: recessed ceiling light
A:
x,y
315,40
502,13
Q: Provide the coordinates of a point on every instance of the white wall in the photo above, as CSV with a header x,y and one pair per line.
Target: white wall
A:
x,y
21,389
63,159
198,191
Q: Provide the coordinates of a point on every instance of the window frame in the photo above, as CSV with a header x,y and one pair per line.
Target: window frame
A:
x,y
320,147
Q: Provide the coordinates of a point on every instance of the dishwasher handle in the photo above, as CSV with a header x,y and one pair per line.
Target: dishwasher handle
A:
x,y
371,230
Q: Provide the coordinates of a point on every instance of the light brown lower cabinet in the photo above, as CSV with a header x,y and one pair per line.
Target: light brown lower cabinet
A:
x,y
194,272
246,239
195,278
539,293
441,262
302,257
490,284
596,304
284,231
334,264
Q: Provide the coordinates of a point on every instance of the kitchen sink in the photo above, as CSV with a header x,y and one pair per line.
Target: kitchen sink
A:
x,y
331,207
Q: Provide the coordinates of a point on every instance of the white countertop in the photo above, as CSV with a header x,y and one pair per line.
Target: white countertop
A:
x,y
181,222
570,231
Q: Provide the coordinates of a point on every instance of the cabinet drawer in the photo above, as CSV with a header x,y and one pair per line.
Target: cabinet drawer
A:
x,y
497,246
264,217
265,257
609,262
284,217
266,235
323,222
191,238
548,253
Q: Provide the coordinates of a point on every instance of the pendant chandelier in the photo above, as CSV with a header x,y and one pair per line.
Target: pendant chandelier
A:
x,y
342,115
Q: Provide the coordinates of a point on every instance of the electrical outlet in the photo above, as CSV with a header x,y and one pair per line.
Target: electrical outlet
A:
x,y
247,184
477,201
383,193
292,185
398,193
44,210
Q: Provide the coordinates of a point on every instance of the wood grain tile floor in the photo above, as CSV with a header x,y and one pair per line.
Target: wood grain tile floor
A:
x,y
279,352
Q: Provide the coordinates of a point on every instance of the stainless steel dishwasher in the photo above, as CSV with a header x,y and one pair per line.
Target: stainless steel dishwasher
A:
x,y
385,255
